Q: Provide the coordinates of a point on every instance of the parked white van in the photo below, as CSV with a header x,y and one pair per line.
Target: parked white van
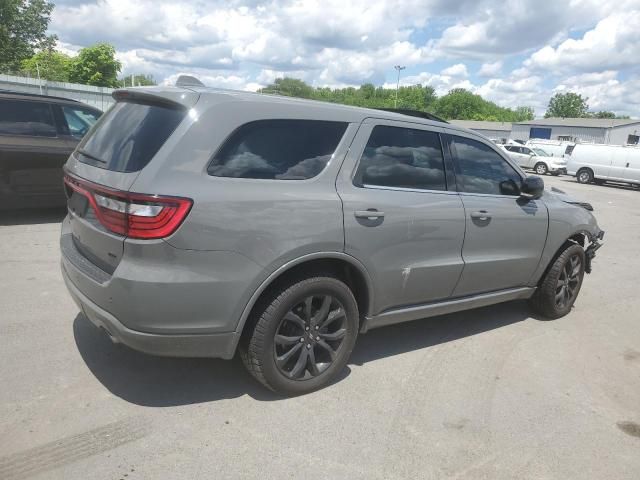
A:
x,y
555,148
600,163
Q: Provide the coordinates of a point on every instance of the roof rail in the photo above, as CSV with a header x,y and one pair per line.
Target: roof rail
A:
x,y
37,95
413,113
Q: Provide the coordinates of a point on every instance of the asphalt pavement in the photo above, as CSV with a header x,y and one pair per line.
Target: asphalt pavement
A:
x,y
492,393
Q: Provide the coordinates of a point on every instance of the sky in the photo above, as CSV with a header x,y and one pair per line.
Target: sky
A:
x,y
512,52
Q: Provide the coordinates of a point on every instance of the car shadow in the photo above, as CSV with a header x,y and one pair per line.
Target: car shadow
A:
x,y
33,216
619,186
163,382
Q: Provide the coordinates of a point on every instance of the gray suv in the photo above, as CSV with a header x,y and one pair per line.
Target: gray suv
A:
x,y
204,222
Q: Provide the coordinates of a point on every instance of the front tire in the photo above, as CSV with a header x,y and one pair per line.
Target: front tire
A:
x,y
584,176
560,286
541,168
303,336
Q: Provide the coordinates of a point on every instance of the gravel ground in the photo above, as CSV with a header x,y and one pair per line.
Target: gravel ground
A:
x,y
492,393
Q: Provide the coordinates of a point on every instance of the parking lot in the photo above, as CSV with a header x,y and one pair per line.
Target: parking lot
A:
x,y
492,393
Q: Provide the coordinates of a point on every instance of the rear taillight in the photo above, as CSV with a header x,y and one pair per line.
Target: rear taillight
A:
x,y
133,215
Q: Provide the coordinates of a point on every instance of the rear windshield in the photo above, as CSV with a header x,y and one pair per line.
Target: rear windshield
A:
x,y
127,137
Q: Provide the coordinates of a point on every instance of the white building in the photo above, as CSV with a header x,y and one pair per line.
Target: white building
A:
x,y
585,130
493,130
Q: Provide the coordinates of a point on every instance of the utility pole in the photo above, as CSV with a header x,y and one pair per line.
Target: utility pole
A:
x,y
39,79
398,68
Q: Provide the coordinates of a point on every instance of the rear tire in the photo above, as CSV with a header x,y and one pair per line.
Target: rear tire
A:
x,y
561,284
302,336
541,168
584,176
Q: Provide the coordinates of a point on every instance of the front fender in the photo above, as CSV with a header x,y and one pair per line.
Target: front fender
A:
x,y
566,221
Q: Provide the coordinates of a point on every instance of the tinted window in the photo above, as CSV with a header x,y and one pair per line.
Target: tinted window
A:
x,y
128,136
481,170
278,149
403,158
26,118
80,120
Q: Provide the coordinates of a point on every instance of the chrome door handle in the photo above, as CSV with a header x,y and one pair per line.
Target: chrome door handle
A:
x,y
481,215
369,214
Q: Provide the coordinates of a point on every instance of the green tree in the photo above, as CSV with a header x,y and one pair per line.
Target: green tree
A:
x,y
461,104
567,105
52,65
291,87
23,29
139,80
96,65
523,114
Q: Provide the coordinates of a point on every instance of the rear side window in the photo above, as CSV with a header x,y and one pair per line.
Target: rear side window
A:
x,y
278,149
402,158
480,169
79,120
127,137
26,118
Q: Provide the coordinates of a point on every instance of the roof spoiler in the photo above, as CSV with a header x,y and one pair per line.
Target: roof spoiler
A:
x,y
188,81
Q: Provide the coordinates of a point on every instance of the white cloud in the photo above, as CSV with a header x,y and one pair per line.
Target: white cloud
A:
x,y
524,46
457,70
612,44
490,69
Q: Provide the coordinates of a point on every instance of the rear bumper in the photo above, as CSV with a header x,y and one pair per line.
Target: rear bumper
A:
x,y
219,345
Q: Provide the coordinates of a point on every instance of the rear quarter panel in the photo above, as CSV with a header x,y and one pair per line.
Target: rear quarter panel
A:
x,y
270,222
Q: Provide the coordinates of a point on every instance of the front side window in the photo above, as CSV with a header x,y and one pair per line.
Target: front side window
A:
x,y
480,169
402,158
278,149
79,119
19,117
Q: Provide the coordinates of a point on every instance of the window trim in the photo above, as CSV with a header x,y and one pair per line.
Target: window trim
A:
x,y
516,169
53,117
372,124
228,137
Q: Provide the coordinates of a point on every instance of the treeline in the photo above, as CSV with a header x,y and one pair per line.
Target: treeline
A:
x,y
458,104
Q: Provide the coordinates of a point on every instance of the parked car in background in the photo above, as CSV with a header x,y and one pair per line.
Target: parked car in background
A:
x,y
555,148
601,163
536,159
37,135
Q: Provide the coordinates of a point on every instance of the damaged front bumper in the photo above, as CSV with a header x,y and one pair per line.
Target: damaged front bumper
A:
x,y
592,248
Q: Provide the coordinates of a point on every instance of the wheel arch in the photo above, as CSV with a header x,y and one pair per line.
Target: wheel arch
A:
x,y
342,266
579,237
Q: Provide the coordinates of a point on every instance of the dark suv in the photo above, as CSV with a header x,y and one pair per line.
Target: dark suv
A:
x,y
37,135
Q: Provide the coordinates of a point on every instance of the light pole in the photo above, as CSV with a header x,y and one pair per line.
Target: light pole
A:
x,y
398,68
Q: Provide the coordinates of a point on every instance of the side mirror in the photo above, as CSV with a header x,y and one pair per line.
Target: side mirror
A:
x,y
532,188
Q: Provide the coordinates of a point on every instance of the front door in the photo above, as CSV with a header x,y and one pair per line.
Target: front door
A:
x,y
505,234
400,220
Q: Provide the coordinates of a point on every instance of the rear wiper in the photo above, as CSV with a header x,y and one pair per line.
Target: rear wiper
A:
x,y
88,155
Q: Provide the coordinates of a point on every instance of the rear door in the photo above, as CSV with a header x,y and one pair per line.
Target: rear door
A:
x,y
123,142
400,219
504,234
33,152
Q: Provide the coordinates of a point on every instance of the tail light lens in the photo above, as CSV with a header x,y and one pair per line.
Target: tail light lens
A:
x,y
133,215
